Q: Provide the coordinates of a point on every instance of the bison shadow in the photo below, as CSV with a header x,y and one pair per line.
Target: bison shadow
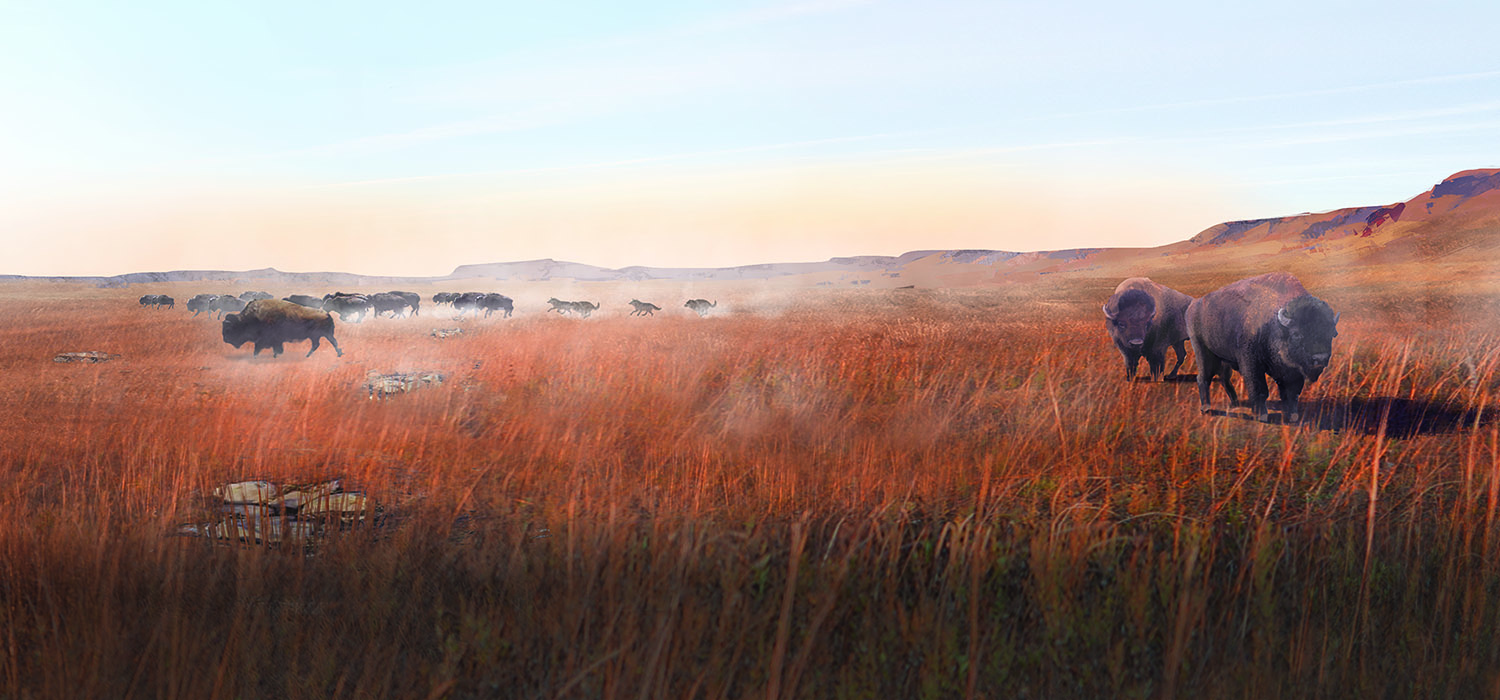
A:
x,y
1145,378
1403,418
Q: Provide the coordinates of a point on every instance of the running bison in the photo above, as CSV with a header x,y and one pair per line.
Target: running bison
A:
x,y
350,307
701,305
1144,319
1266,325
382,302
201,303
413,300
496,302
271,322
309,301
468,301
225,304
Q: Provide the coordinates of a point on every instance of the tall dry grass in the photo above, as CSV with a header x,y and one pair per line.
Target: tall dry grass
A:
x,y
872,494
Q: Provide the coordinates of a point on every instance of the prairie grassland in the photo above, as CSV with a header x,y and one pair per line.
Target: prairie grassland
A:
x,y
870,494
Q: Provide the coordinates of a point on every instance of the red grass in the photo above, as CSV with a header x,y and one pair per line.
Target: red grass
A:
x,y
874,494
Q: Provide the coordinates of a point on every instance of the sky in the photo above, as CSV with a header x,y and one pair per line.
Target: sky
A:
x,y
411,138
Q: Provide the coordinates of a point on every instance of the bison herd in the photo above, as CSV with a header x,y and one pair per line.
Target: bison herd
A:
x,y
1261,326
1265,326
270,323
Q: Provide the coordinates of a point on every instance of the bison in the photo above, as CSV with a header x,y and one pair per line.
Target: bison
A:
x,y
1265,325
444,297
348,306
701,306
496,302
1144,319
248,297
468,301
310,302
269,323
413,300
158,301
201,302
388,301
225,304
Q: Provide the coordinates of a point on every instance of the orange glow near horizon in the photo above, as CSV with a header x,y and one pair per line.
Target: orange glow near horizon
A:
x,y
714,219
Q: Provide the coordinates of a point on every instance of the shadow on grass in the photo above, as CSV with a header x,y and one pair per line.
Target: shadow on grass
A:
x,y
1145,378
1404,418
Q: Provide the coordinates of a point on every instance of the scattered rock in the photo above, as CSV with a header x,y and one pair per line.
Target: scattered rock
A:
x,y
380,385
91,356
441,333
261,512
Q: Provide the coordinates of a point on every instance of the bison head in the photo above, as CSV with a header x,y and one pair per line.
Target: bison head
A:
x,y
1308,327
1128,317
236,331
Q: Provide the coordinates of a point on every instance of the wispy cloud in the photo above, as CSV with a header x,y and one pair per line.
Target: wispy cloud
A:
x,y
1297,94
604,165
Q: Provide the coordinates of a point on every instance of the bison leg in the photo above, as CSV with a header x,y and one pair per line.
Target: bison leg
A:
x,y
1290,390
276,350
1208,366
1132,358
1257,388
1181,349
258,348
1156,359
331,341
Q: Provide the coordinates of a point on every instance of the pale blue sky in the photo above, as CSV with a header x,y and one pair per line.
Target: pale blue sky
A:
x,y
412,138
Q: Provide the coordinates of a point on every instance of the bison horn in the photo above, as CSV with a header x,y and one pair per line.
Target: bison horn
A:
x,y
1336,318
1282,317
1107,313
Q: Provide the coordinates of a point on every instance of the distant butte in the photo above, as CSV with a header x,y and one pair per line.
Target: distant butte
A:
x,y
1458,217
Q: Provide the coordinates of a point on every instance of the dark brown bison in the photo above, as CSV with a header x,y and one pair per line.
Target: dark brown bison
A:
x,y
382,302
271,322
413,300
444,297
350,307
310,302
1144,319
496,302
225,304
201,302
468,301
1266,325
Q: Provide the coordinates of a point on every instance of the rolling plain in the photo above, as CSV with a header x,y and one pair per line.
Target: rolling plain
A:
x,y
809,493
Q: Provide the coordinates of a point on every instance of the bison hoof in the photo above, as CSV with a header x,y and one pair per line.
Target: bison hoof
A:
x,y
1205,408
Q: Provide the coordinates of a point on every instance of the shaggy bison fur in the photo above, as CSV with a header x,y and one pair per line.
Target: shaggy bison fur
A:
x,y
1266,325
271,322
1144,319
